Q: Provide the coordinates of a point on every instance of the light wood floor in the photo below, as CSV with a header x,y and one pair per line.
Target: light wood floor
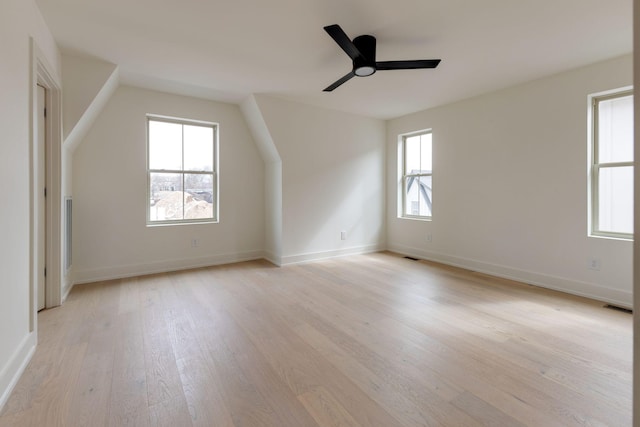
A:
x,y
370,340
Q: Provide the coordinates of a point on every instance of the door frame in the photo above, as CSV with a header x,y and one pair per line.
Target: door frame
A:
x,y
41,73
39,207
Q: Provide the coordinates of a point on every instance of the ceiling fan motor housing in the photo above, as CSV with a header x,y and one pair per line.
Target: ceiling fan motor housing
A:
x,y
365,65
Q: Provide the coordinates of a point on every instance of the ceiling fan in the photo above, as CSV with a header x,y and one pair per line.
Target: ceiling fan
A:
x,y
362,51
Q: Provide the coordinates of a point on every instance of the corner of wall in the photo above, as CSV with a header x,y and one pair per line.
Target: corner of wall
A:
x,y
273,177
259,130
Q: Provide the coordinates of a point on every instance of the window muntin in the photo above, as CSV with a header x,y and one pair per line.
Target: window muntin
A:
x,y
181,172
417,168
612,165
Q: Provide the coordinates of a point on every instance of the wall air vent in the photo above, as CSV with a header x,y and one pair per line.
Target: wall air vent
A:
x,y
67,232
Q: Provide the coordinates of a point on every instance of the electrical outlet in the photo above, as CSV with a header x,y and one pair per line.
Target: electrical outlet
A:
x,y
593,264
429,238
195,243
343,235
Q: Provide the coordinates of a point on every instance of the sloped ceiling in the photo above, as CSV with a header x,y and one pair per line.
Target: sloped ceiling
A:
x,y
227,50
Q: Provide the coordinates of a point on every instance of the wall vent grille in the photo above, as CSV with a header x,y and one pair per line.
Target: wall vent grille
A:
x,y
68,206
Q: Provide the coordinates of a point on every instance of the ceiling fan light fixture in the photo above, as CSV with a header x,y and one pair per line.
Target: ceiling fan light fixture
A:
x,y
365,70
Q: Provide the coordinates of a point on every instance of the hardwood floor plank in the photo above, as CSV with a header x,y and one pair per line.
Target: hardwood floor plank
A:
x,y
485,413
367,333
128,404
92,391
201,389
93,388
171,412
361,330
53,398
325,409
299,365
396,396
245,404
162,377
241,400
259,372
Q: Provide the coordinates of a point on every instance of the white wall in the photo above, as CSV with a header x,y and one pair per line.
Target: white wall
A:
x,y
19,20
510,186
332,179
111,238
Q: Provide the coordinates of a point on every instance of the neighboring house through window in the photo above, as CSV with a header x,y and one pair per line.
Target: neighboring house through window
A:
x,y
611,169
181,171
417,167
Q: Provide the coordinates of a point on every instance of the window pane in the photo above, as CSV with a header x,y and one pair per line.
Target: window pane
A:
x,y
415,208
166,194
198,148
165,145
199,198
425,195
412,198
426,164
615,130
615,197
412,154
418,197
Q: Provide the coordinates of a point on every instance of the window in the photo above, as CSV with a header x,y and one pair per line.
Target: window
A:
x,y
417,168
612,165
181,171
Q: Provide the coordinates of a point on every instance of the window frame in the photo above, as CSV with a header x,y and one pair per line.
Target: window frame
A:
x,y
595,166
214,173
402,209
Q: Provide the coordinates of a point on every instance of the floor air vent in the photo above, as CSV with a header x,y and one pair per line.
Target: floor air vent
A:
x,y
615,307
411,258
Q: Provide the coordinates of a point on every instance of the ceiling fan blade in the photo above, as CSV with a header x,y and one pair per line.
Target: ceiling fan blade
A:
x,y
339,82
407,65
343,40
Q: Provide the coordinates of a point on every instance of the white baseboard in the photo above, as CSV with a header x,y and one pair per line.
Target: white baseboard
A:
x,y
67,284
314,256
585,289
132,270
12,371
273,258
66,290
574,287
123,271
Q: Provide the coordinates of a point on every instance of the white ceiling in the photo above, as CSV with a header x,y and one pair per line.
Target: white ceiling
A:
x,y
227,50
